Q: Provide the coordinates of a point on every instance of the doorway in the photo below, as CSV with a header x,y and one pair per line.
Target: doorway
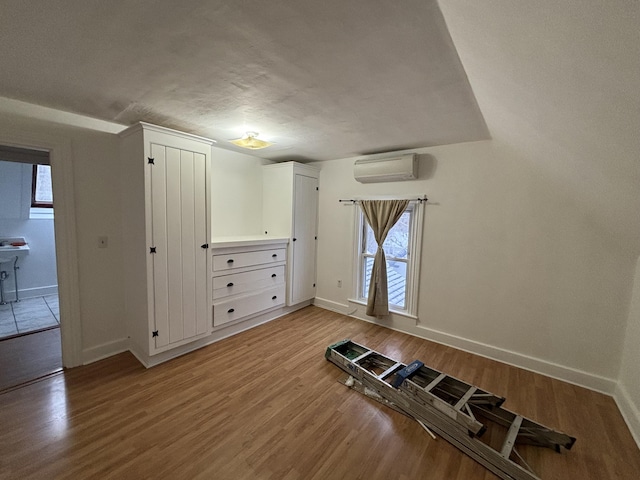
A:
x,y
30,340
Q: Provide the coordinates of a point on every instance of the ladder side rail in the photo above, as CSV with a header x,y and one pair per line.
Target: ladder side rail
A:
x,y
470,423
531,433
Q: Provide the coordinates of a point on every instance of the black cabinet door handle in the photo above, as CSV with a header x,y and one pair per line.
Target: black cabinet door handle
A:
x,y
231,310
273,276
274,297
230,260
274,255
294,239
230,284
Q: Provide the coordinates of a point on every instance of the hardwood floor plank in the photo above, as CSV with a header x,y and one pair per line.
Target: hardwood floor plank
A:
x,y
265,404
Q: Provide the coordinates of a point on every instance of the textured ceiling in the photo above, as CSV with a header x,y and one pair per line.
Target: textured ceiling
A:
x,y
322,79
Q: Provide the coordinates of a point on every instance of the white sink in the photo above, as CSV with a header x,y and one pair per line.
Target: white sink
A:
x,y
8,253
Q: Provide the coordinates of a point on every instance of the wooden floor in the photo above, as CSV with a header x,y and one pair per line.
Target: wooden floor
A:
x,y
27,357
266,405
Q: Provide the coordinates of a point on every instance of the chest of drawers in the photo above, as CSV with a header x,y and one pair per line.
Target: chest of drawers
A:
x,y
247,280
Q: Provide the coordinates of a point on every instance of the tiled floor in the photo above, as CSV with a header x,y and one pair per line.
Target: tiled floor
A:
x,y
29,315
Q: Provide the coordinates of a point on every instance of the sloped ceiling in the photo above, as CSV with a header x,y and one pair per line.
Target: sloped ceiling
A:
x,y
322,79
559,82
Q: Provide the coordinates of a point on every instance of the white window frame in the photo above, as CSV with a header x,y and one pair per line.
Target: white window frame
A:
x,y
413,260
39,211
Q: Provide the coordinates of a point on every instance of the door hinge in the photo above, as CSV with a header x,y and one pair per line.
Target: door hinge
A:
x,y
154,333
152,161
152,249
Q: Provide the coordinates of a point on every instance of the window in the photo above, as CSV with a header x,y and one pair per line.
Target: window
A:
x,y
41,192
402,252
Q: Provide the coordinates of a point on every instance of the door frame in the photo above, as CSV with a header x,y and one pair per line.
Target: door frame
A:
x,y
65,234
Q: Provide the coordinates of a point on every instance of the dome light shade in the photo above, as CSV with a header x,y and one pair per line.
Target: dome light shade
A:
x,y
250,141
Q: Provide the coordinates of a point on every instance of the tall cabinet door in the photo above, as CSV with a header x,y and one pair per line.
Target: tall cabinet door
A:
x,y
179,229
305,208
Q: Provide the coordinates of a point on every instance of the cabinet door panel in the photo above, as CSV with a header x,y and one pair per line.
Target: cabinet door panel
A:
x,y
174,245
304,232
158,175
178,191
201,236
187,208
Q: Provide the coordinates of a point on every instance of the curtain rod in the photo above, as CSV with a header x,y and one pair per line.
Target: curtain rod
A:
x,y
419,200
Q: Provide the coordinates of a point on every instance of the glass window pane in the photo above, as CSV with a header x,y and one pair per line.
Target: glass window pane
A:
x,y
396,281
368,265
397,242
370,244
43,191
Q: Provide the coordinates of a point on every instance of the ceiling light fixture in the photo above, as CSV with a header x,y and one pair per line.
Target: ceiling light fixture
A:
x,y
250,141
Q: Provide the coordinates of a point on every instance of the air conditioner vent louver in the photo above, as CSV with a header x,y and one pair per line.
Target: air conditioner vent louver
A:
x,y
393,169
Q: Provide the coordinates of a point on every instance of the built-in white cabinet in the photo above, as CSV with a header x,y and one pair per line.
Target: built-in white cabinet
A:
x,y
165,185
290,209
248,278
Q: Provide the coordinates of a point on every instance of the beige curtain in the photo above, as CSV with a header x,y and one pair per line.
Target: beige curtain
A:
x,y
381,215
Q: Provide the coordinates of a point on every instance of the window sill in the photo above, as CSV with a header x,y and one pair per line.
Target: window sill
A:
x,y
40,213
402,313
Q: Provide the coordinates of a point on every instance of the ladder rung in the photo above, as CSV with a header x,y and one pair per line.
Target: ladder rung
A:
x,y
363,356
435,382
390,370
510,440
465,398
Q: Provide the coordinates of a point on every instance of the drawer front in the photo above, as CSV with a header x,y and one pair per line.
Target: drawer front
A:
x,y
230,310
248,259
253,280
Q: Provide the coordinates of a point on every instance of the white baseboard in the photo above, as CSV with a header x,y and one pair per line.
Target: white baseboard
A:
x,y
330,305
567,374
560,372
629,411
100,352
219,333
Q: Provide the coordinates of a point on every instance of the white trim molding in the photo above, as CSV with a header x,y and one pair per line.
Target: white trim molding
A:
x,y
408,325
629,411
65,232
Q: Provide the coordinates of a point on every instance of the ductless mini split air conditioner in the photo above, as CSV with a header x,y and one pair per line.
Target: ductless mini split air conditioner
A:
x,y
392,169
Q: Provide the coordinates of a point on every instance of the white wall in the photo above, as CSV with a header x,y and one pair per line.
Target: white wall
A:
x,y
37,274
510,268
628,391
94,156
236,193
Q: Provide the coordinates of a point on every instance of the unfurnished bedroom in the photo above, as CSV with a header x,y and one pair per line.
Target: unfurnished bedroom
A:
x,y
320,240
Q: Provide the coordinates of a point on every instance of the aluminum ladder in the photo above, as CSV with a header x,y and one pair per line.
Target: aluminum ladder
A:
x,y
457,411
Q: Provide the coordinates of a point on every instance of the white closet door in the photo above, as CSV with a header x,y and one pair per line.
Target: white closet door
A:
x,y
305,209
179,229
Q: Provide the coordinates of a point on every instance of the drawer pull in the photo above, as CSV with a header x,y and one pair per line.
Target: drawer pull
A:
x,y
230,260
273,276
274,297
274,255
230,284
231,310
